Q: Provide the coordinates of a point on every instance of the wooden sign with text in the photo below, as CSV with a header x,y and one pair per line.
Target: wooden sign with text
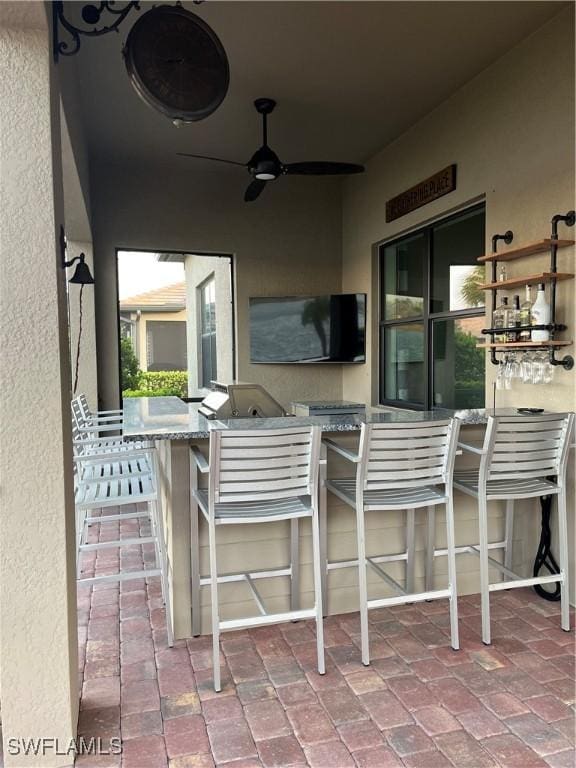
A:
x,y
432,188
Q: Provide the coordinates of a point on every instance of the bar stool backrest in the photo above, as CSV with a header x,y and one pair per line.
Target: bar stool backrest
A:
x,y
263,464
80,421
85,408
526,447
408,454
78,416
79,450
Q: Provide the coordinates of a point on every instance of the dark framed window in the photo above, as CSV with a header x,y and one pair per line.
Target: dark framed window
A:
x,y
432,315
166,345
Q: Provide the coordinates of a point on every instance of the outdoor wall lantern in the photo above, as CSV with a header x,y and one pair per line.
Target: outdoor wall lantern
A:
x,y
82,275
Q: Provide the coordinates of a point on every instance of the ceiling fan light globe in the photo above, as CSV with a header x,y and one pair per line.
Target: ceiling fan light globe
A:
x,y
264,176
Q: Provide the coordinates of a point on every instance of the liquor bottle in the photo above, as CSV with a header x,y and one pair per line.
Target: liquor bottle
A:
x,y
502,275
526,315
541,314
514,320
500,320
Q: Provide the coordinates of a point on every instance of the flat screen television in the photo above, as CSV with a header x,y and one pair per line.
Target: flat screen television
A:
x,y
308,329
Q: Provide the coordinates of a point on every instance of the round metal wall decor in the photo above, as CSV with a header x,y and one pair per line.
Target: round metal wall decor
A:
x,y
176,63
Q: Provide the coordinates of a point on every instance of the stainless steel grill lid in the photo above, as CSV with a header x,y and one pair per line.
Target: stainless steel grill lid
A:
x,y
240,401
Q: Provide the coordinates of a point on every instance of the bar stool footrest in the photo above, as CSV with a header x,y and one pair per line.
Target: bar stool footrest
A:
x,y
520,582
115,518
274,618
394,558
117,543
245,576
469,549
125,576
419,597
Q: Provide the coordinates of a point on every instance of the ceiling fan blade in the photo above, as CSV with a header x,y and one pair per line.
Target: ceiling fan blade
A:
x,y
207,157
253,190
316,168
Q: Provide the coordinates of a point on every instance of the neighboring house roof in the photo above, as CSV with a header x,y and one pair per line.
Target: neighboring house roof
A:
x,y
169,298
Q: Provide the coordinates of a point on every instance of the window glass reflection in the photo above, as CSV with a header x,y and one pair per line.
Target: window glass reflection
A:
x,y
456,274
403,279
458,366
403,356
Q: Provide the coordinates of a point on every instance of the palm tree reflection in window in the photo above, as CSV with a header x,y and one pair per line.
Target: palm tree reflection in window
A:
x,y
316,312
471,290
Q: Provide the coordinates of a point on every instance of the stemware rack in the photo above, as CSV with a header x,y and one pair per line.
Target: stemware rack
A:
x,y
552,277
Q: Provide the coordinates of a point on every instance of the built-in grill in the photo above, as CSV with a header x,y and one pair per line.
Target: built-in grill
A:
x,y
239,401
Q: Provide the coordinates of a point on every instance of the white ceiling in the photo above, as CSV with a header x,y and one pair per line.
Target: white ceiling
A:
x,y
349,77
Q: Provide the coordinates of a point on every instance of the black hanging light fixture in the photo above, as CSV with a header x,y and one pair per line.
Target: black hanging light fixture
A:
x,y
82,274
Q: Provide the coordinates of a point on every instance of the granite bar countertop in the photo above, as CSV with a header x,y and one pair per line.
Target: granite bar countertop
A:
x,y
169,418
327,404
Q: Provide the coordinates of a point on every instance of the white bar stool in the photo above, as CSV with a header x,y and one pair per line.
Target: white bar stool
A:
x,y
87,432
404,465
259,476
523,457
118,479
91,424
98,416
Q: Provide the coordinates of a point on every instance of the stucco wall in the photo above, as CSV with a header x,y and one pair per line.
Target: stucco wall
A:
x,y
38,645
73,127
147,317
511,132
79,240
198,270
288,242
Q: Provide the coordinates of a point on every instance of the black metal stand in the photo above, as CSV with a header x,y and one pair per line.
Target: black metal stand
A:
x,y
507,238
544,556
569,220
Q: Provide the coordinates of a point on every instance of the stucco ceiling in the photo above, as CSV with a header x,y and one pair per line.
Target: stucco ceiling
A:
x,y
349,77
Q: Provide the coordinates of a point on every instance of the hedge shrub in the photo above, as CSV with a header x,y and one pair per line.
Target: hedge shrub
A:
x,y
175,381
129,371
147,393
159,384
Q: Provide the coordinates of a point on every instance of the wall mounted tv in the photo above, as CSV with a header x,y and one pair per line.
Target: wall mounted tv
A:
x,y
308,329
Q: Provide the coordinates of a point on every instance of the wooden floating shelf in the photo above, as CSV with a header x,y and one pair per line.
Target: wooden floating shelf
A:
x,y
540,246
524,344
516,282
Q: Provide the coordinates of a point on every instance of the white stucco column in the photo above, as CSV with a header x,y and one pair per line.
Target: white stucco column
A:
x,y
38,646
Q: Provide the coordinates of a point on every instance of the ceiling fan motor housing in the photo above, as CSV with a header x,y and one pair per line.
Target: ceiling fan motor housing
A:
x,y
265,164
264,106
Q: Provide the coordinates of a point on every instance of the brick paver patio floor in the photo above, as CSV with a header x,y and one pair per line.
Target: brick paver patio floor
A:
x,y
419,704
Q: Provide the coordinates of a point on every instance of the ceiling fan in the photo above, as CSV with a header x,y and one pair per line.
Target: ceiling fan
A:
x,y
265,165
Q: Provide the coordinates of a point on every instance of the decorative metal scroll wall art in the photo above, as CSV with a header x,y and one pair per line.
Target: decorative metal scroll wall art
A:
x,y
66,34
175,61
99,19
